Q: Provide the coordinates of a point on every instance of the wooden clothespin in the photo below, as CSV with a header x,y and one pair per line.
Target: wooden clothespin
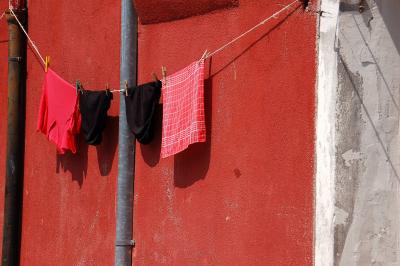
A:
x,y
126,88
107,88
164,73
164,76
154,77
46,63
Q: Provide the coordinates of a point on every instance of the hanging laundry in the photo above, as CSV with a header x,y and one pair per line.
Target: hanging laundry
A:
x,y
94,106
59,117
141,103
183,109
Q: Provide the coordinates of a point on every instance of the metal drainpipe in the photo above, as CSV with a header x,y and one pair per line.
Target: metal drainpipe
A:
x,y
126,155
15,138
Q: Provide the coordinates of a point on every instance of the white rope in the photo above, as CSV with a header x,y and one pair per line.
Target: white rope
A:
x,y
30,40
207,55
2,15
250,30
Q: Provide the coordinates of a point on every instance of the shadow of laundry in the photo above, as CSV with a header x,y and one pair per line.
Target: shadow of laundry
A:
x,y
76,164
108,146
193,163
151,152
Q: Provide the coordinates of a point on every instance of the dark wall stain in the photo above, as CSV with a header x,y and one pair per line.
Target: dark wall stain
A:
x,y
156,11
237,172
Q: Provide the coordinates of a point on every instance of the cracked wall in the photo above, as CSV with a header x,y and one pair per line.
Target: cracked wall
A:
x,y
367,134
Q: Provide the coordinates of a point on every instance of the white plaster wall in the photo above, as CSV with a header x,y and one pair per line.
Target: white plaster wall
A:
x,y
325,132
367,162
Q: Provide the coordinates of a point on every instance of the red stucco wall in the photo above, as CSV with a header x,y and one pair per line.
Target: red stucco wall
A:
x,y
246,196
243,198
69,201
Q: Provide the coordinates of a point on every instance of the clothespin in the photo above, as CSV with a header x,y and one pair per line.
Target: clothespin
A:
x,y
164,75
204,55
154,76
164,72
46,63
126,88
107,88
78,87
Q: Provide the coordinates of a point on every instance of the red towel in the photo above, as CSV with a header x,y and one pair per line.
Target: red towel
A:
x,y
59,117
183,109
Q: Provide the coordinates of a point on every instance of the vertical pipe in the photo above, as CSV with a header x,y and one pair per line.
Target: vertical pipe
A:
x,y
15,139
126,155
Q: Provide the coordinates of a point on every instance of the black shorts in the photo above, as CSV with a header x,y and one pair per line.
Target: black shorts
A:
x,y
141,104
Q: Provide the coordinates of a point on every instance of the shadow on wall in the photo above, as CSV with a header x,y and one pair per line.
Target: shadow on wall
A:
x,y
192,164
276,26
77,164
151,152
106,150
367,17
156,11
390,10
370,120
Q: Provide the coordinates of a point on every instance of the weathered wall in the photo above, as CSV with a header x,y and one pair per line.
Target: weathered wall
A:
x,y
3,110
69,201
325,134
367,179
245,197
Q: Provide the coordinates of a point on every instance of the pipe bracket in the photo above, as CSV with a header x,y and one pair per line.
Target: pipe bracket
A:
x,y
14,59
125,243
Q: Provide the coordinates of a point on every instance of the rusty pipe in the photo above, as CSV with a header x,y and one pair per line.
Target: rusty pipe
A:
x,y
15,139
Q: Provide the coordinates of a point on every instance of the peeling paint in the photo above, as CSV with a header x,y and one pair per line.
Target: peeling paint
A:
x,y
350,156
340,216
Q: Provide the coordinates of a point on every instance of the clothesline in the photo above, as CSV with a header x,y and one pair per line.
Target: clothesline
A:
x,y
30,40
250,30
207,55
183,121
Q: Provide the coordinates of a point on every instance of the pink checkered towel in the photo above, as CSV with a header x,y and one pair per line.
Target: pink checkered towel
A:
x,y
183,109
